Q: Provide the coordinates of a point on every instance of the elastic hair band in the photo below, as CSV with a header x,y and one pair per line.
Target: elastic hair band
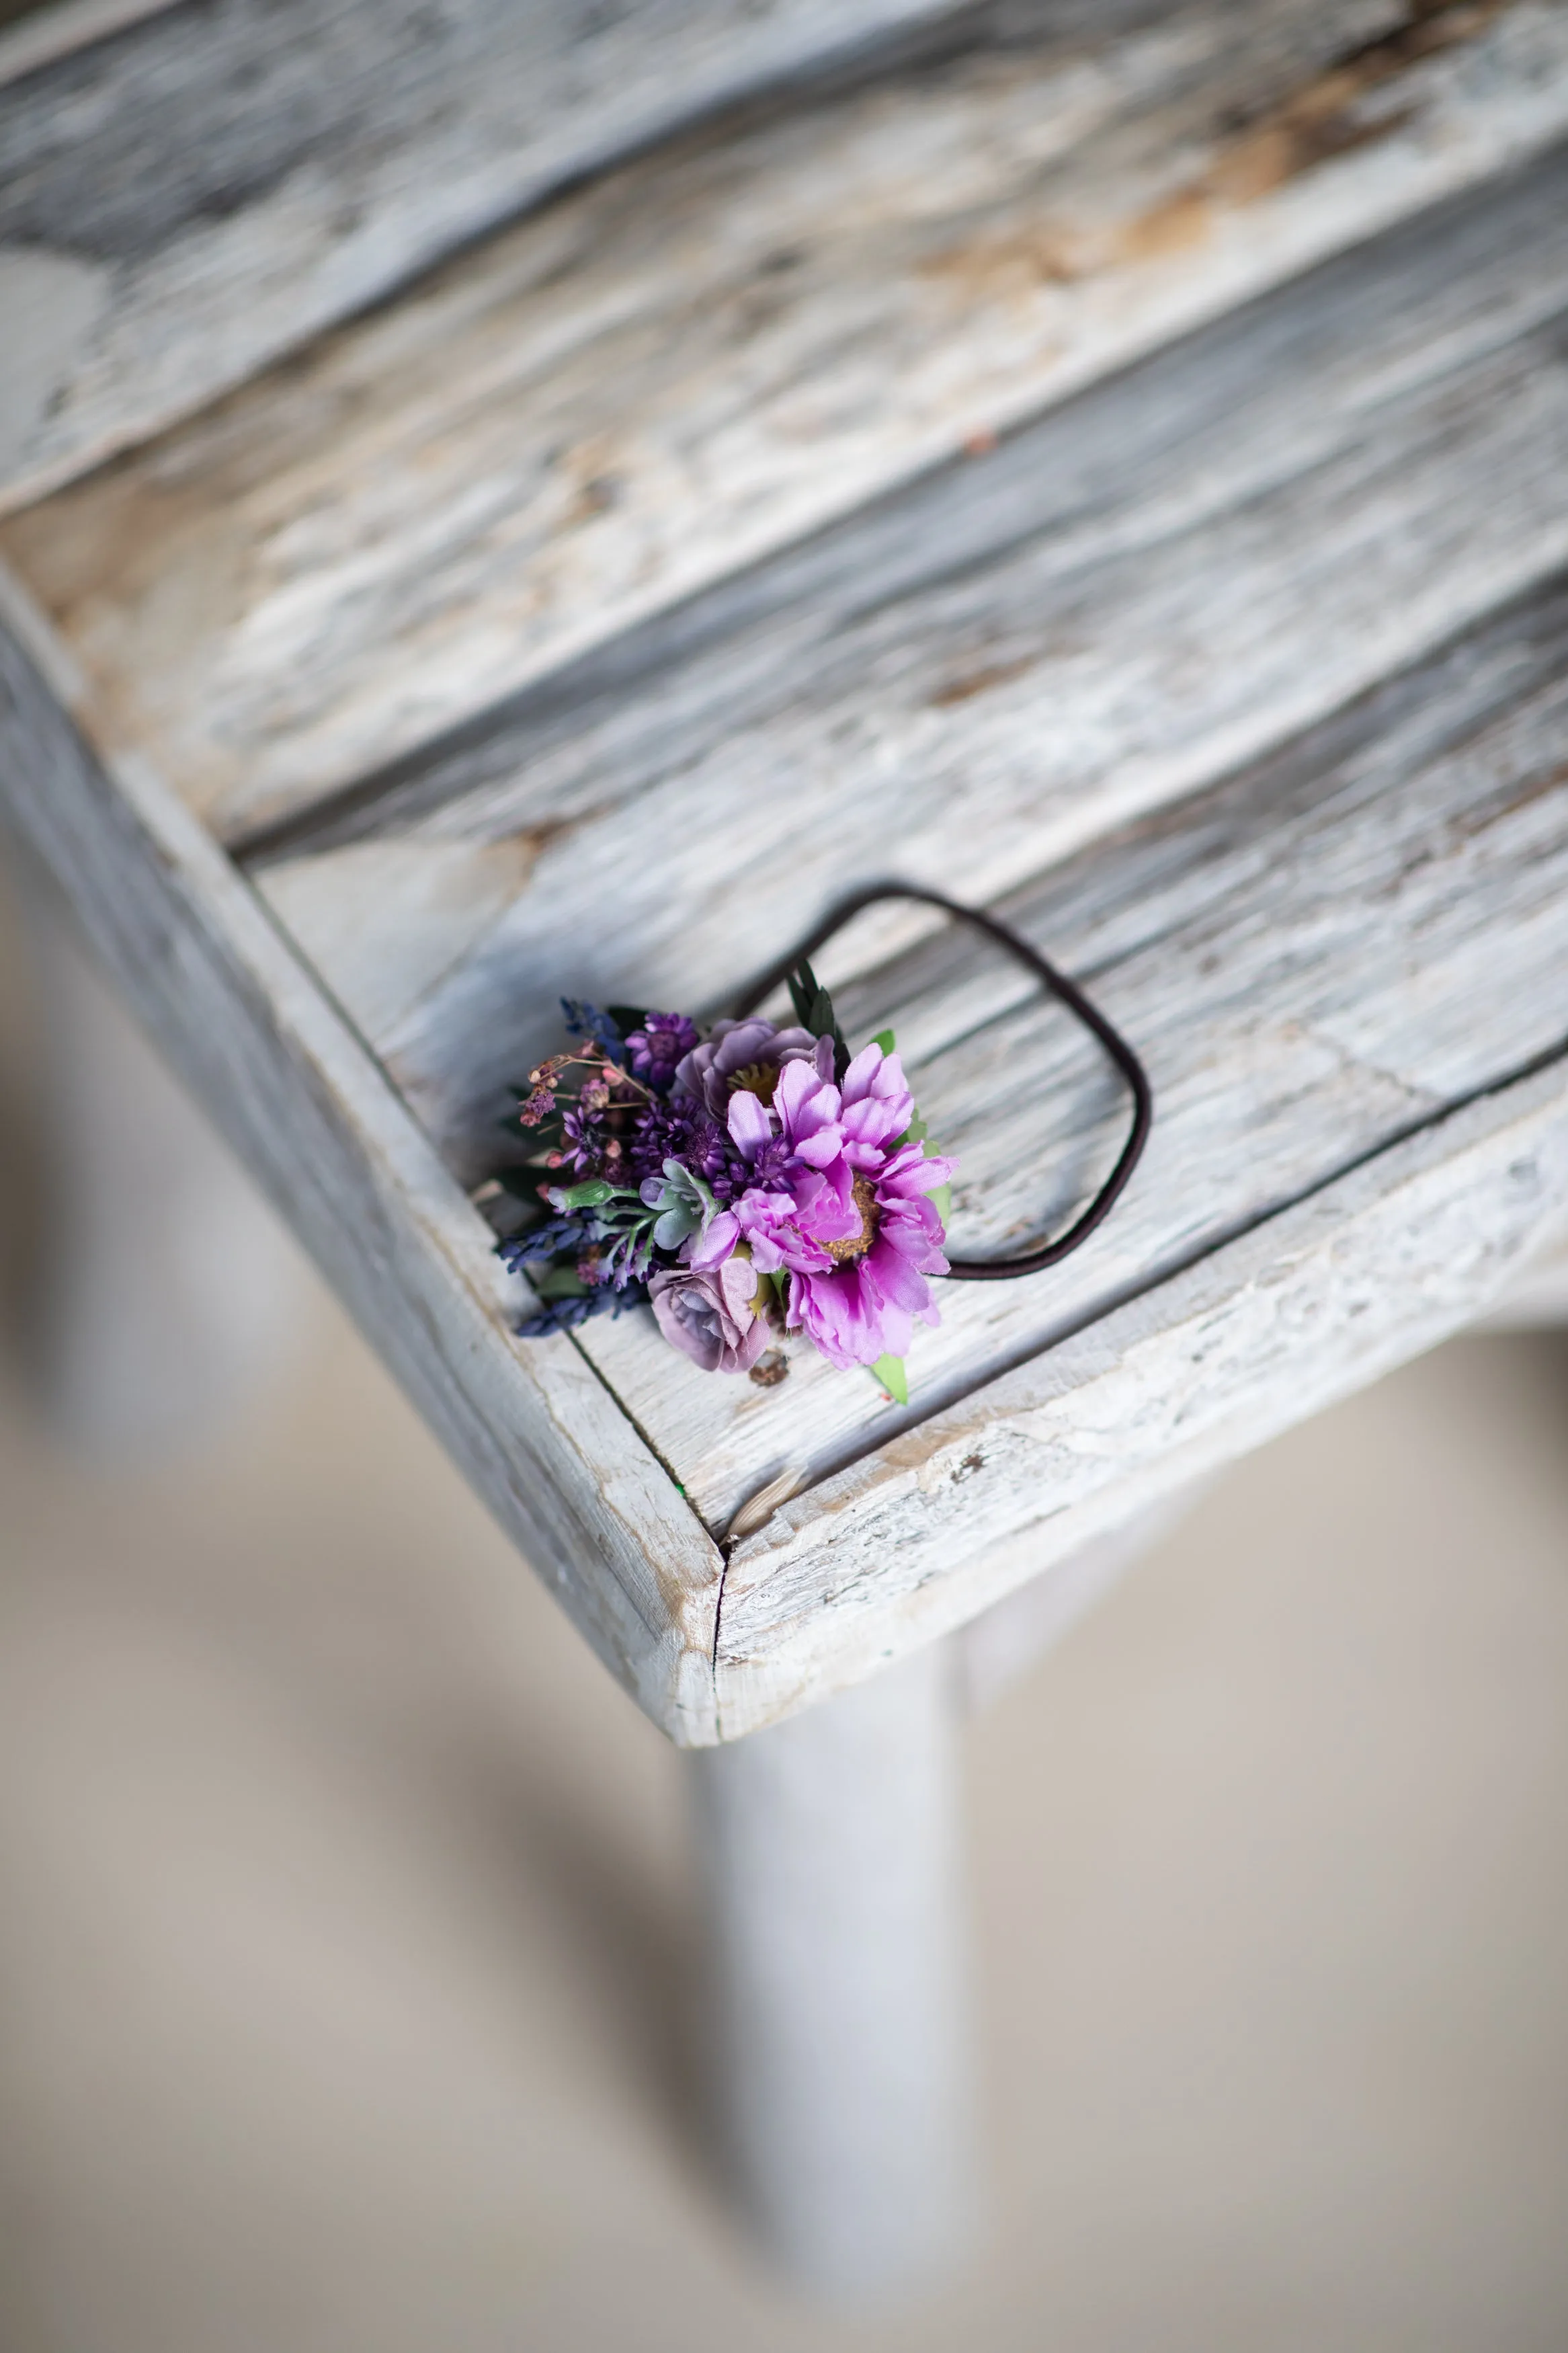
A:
x,y
1034,1262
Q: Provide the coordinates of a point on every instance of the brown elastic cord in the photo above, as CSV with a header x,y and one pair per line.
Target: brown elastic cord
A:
x,y
1001,1270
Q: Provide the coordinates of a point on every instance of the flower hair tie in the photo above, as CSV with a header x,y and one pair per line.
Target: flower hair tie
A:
x,y
759,1179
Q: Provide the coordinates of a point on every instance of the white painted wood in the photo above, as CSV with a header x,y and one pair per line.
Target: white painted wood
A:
x,y
243,175
1322,1298
164,1289
1154,583
1313,958
725,346
839,2035
535,1430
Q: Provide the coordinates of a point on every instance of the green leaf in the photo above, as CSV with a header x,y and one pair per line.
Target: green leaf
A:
x,y
802,992
941,1198
586,1196
890,1371
672,1228
814,1011
884,1038
627,1018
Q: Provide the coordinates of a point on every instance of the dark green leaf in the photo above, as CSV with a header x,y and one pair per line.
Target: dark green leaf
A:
x,y
814,1011
803,991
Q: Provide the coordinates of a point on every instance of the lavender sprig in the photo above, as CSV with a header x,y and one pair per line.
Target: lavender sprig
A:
x,y
564,1315
590,1022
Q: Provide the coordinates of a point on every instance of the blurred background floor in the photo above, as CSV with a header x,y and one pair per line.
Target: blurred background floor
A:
x,y
346,2003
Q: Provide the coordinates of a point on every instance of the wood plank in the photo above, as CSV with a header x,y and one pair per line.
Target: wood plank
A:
x,y
196,191
726,345
535,1432
1149,584
1317,1302
1313,958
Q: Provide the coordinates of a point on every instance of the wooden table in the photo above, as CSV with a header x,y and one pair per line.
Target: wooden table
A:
x,y
524,500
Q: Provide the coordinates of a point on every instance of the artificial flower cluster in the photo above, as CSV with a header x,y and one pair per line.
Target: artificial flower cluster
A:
x,y
746,1181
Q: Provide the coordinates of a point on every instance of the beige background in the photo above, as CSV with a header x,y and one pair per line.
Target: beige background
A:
x,y
346,1997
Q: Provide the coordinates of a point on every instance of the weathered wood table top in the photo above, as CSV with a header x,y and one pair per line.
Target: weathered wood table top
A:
x,y
555,505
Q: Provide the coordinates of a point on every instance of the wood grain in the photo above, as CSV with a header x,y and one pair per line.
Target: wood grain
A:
x,y
967,682
237,175
701,357
314,1121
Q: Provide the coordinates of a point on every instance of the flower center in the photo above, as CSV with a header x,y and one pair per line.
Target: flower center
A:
x,y
856,1245
771,1166
759,1079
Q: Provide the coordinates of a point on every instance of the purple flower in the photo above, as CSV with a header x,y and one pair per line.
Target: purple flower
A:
x,y
844,1210
682,1130
868,1302
582,1143
709,1314
663,1039
793,1181
747,1055
586,1145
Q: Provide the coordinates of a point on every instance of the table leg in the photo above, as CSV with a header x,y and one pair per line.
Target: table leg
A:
x,y
838,2019
161,1286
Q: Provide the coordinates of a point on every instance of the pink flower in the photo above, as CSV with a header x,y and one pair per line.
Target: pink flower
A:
x,y
709,1314
836,1201
798,1183
866,1303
